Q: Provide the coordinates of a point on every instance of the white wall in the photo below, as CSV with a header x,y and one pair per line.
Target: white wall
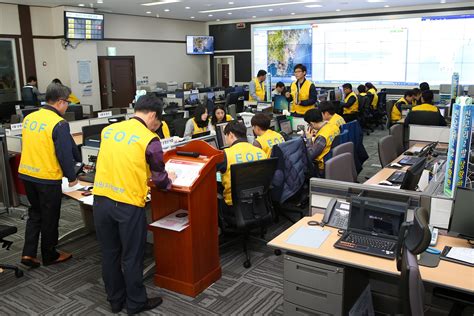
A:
x,y
9,19
158,61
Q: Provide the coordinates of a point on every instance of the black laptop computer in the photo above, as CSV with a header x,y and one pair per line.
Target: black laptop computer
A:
x,y
373,227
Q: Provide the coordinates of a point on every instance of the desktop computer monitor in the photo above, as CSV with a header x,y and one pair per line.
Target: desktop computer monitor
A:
x,y
461,221
210,96
219,95
187,85
199,135
220,135
26,112
7,109
285,126
92,132
413,175
212,141
280,103
192,99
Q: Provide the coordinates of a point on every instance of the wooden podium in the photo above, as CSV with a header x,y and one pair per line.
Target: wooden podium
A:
x,y
188,261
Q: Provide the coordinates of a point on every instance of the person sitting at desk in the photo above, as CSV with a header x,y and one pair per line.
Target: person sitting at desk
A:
x,y
329,114
351,103
303,94
362,90
319,137
72,99
425,113
32,83
163,131
424,86
199,123
407,99
372,90
219,115
279,89
266,138
257,87
416,97
240,151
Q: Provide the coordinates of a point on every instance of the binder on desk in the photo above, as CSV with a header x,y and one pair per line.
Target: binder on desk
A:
x,y
188,261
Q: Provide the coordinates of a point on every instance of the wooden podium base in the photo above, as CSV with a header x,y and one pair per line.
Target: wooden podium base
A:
x,y
189,289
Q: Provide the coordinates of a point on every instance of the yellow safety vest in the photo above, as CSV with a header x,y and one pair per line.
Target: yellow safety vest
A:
x,y
238,153
329,132
396,114
375,101
355,107
259,90
73,99
268,139
198,129
337,120
302,95
166,130
228,118
425,107
38,154
122,171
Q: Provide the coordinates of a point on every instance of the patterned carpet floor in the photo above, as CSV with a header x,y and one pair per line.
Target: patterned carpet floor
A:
x,y
75,287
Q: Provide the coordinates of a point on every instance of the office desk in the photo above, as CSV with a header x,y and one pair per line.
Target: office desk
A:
x,y
447,275
77,138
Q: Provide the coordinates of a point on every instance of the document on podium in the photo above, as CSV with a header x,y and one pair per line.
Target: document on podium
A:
x,y
186,171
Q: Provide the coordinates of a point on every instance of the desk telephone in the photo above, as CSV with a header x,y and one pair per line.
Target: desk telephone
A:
x,y
336,214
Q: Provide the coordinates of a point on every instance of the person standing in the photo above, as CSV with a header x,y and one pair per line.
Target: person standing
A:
x,y
48,153
257,87
129,152
303,94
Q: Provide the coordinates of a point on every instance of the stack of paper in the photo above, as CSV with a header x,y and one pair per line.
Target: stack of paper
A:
x,y
88,200
176,221
186,171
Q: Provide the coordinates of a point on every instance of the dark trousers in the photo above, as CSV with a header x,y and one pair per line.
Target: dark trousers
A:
x,y
121,231
43,218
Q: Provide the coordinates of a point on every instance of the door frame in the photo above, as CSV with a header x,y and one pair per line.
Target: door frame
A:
x,y
101,80
231,68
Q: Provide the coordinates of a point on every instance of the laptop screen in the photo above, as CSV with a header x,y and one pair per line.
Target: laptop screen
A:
x,y
376,217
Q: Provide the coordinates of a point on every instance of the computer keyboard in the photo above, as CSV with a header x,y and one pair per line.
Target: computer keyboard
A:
x,y
367,244
397,177
408,161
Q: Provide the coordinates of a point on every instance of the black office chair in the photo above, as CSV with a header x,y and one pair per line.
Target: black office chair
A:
x,y
6,231
77,110
413,239
28,97
252,208
365,114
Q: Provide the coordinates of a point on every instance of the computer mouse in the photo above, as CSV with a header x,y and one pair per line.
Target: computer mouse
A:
x,y
395,164
385,182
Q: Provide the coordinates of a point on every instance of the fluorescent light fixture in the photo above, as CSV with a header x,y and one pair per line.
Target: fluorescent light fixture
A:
x,y
218,20
443,1
229,13
148,12
187,8
338,10
160,2
292,13
166,10
192,17
230,2
254,16
210,15
386,6
100,1
260,6
270,10
313,6
81,5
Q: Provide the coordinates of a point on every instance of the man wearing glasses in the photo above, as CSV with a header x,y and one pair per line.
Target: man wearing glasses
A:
x,y
303,95
48,154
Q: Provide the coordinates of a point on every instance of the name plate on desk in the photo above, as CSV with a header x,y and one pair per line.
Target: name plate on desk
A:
x,y
186,171
16,127
104,114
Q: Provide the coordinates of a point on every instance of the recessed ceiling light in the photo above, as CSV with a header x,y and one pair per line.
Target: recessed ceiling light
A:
x,y
254,16
160,2
192,17
166,10
229,13
259,6
292,13
187,8
313,6
230,2
81,5
386,6
210,15
270,10
148,12
337,10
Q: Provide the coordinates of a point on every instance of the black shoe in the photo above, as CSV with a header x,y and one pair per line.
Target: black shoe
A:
x,y
117,307
150,304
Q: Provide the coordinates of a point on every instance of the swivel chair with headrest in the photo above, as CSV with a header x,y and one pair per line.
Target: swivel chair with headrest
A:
x,y
6,231
413,239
